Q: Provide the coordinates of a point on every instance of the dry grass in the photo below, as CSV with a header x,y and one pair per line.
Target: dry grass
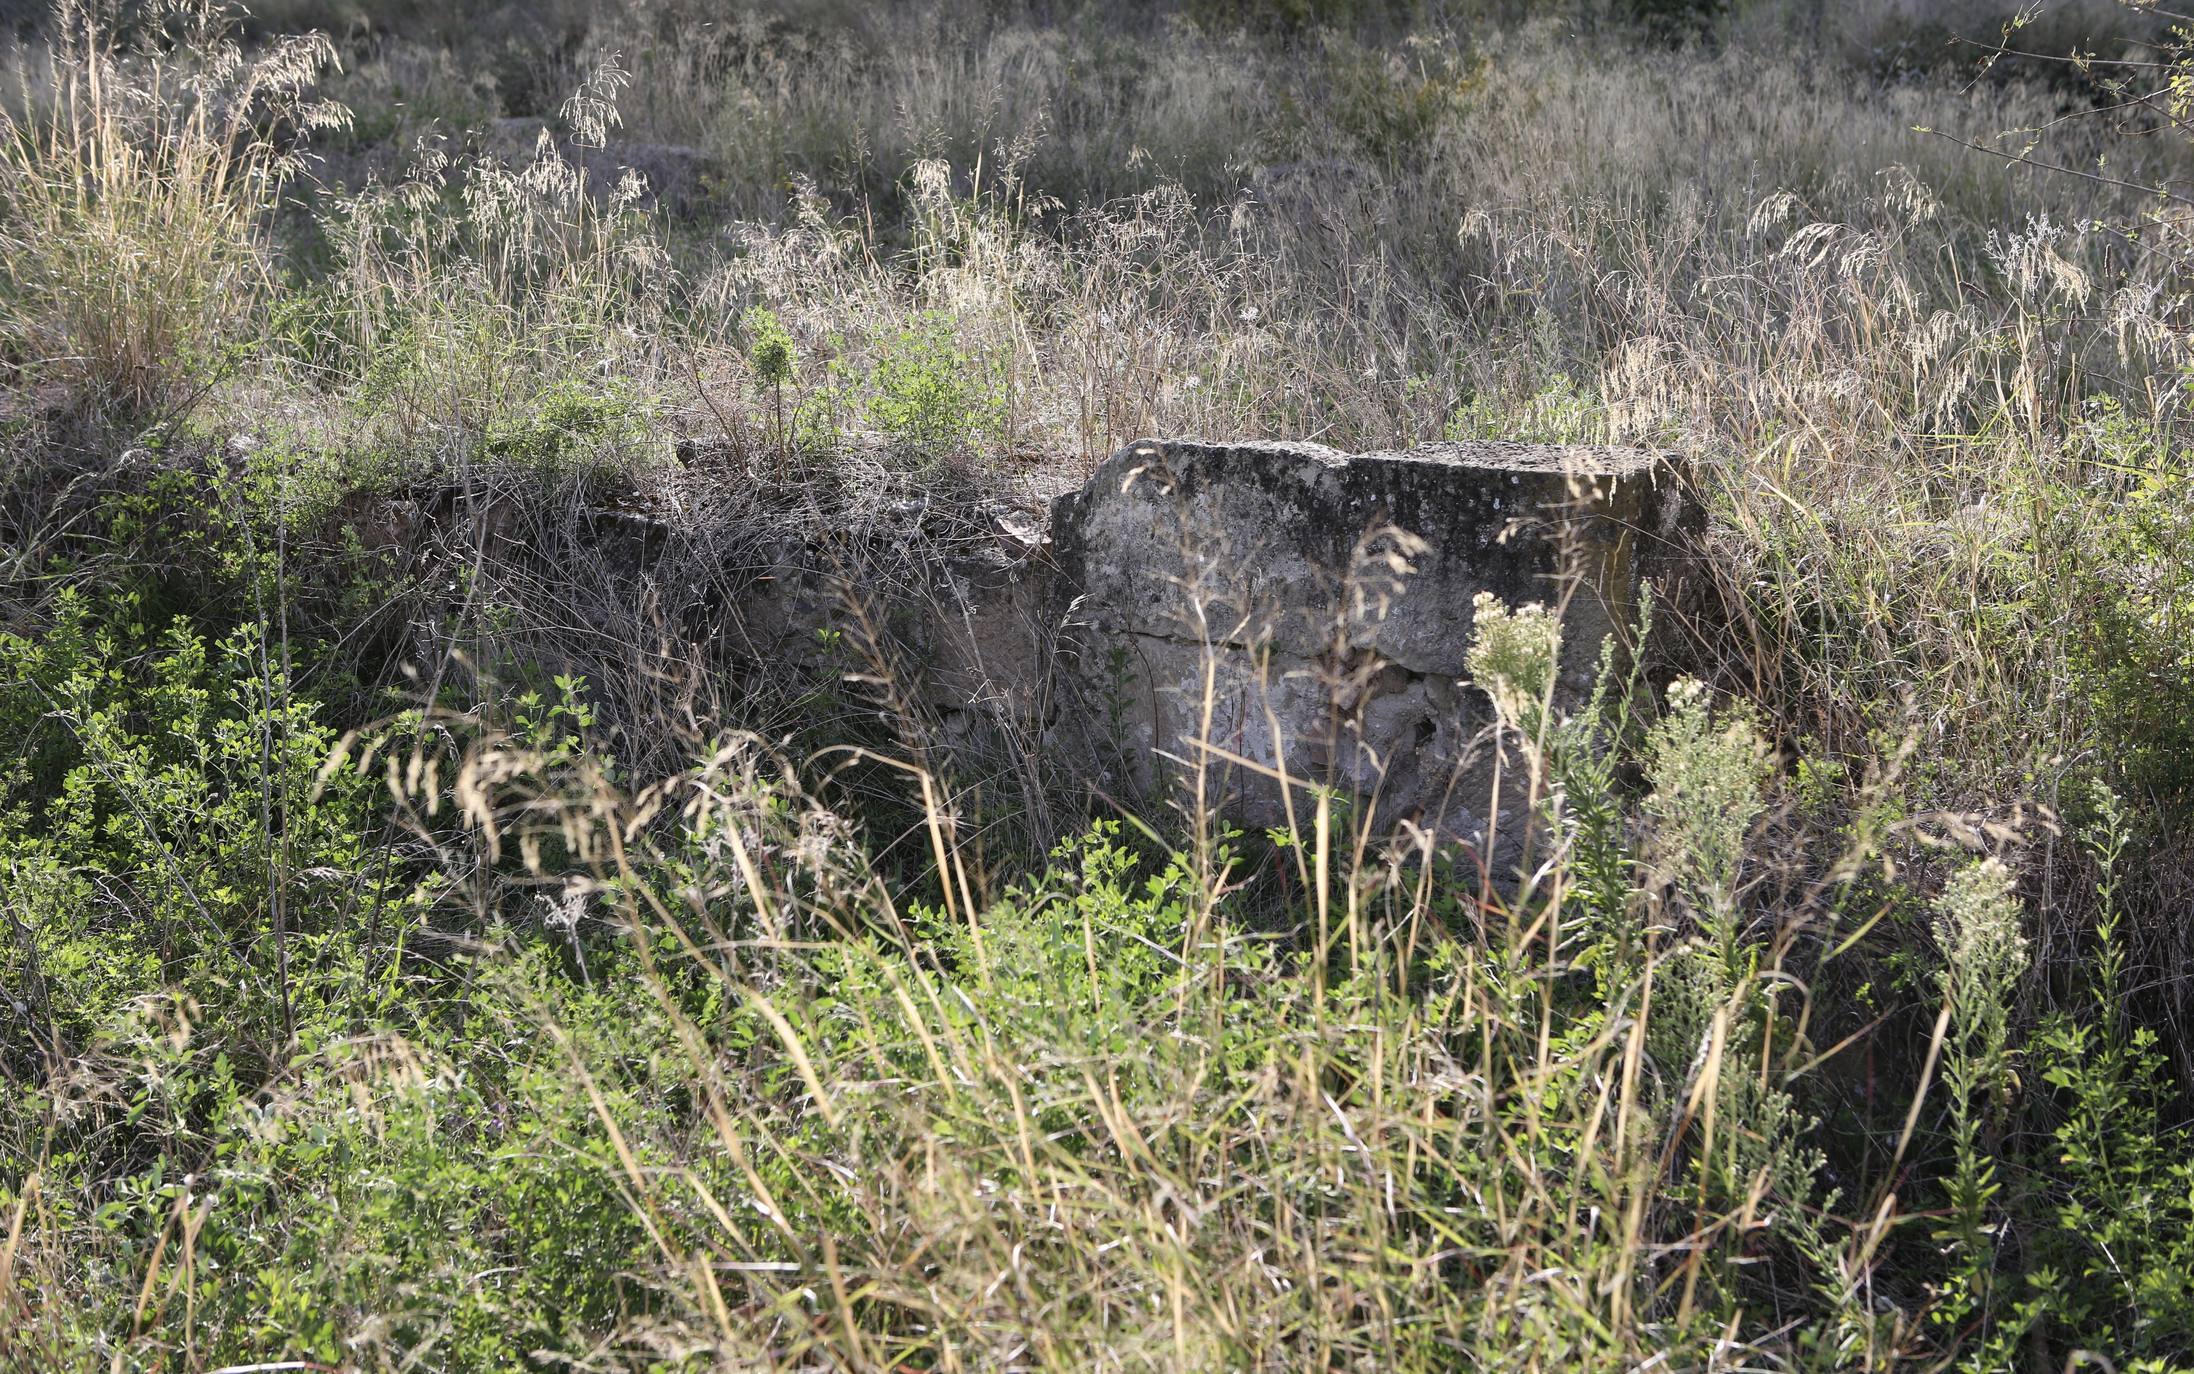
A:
x,y
136,188
654,1043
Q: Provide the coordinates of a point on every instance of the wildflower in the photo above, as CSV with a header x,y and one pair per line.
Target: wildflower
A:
x,y
1977,924
1707,775
1512,657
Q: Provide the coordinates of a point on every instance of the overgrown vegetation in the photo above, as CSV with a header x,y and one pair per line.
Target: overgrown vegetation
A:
x,y
427,945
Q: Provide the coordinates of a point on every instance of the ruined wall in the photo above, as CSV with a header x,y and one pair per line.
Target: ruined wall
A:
x,y
1287,609
1264,610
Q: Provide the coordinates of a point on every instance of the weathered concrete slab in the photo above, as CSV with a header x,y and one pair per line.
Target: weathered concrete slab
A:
x,y
1306,610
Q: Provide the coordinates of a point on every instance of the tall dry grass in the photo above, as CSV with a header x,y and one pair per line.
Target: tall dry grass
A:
x,y
135,184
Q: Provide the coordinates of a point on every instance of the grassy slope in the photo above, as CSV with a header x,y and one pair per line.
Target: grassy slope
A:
x,y
559,1021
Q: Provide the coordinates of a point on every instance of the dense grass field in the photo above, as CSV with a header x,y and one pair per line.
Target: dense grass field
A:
x,y
424,948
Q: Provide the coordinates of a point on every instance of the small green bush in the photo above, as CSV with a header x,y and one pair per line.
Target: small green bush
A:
x,y
575,429
2134,575
141,855
769,347
771,355
2111,1222
932,396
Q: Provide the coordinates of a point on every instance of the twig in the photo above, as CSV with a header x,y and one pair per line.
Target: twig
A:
x,y
2028,160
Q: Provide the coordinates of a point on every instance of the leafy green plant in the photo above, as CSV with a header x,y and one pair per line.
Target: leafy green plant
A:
x,y
1984,957
2126,544
931,396
1678,19
2115,1243
770,354
574,430
160,790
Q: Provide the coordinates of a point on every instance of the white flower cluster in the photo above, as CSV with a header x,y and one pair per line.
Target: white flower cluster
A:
x,y
1978,923
1513,655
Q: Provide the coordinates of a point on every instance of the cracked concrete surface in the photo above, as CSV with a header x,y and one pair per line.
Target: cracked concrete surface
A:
x,y
1289,609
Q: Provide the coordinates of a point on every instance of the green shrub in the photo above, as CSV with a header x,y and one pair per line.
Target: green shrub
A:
x,y
142,858
2113,1235
769,347
931,395
572,429
771,356
2133,577
1390,104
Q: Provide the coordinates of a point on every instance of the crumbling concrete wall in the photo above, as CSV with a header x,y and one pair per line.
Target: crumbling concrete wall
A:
x,y
955,608
1261,610
1274,610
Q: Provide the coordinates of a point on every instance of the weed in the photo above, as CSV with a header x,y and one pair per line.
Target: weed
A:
x,y
933,398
